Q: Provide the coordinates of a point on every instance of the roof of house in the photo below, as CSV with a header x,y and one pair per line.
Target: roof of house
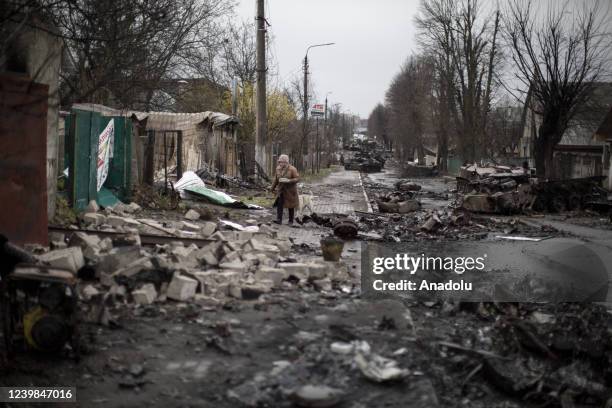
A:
x,y
604,132
163,120
589,117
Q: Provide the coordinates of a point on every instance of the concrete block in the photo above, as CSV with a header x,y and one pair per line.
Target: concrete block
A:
x,y
145,295
218,236
132,208
57,240
89,291
93,219
182,251
69,258
245,235
117,258
207,257
92,254
134,267
115,221
276,275
106,244
251,291
225,276
117,290
267,260
234,290
300,271
192,215
207,281
190,226
233,256
208,228
84,240
237,266
268,230
181,288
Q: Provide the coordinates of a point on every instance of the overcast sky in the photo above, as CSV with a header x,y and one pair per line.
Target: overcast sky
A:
x,y
373,38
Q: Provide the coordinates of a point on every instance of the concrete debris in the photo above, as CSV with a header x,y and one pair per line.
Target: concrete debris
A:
x,y
131,208
432,223
182,288
379,369
69,258
252,291
145,295
93,219
134,267
89,292
317,396
299,271
57,240
189,226
192,215
208,228
84,240
116,221
276,275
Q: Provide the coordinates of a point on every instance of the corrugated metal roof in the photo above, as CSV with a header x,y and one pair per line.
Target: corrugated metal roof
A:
x,y
164,120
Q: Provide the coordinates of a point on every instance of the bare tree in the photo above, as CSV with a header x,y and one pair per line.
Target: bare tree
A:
x,y
559,56
463,38
378,124
409,103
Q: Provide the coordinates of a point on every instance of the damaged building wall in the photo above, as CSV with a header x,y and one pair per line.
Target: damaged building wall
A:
x,y
37,52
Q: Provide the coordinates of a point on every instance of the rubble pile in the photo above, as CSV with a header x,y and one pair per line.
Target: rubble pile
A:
x,y
233,265
124,218
449,224
540,355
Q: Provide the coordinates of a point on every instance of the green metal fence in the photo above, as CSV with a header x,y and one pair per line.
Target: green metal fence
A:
x,y
84,128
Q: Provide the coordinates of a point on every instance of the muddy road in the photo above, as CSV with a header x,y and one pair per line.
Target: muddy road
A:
x,y
299,345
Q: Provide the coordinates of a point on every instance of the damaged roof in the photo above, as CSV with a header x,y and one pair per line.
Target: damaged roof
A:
x,y
164,120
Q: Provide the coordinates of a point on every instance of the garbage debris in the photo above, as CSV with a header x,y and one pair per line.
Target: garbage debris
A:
x,y
378,368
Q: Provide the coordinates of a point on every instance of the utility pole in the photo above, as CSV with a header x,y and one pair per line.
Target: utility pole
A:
x,y
261,125
316,155
304,152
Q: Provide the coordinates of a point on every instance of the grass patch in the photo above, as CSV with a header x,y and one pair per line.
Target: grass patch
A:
x,y
64,214
262,201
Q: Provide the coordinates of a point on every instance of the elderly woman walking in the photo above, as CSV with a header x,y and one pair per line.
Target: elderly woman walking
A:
x,y
286,179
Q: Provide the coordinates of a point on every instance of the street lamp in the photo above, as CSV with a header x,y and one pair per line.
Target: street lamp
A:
x,y
305,134
324,132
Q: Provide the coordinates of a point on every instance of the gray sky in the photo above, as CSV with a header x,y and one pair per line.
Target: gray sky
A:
x,y
373,38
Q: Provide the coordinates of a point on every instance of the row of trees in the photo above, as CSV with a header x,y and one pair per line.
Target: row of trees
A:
x,y
454,94
170,55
